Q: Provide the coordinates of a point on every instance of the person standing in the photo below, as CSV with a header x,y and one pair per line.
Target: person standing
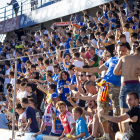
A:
x,y
32,124
15,6
129,81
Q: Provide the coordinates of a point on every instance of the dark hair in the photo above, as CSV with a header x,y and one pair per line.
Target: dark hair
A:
x,y
24,100
112,37
23,84
60,74
56,66
69,34
44,28
136,96
8,85
86,15
18,106
53,86
136,42
78,109
54,43
70,67
92,35
126,26
33,66
122,45
58,39
18,81
11,73
49,73
77,54
131,21
39,42
32,100
46,61
83,30
40,59
29,85
52,49
24,80
103,34
135,35
136,16
102,29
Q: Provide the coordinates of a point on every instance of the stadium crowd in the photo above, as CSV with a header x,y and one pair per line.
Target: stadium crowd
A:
x,y
78,82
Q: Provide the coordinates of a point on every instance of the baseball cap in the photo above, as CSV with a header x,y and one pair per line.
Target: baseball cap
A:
x,y
54,95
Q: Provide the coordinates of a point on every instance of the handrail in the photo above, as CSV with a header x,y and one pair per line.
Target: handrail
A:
x,y
23,4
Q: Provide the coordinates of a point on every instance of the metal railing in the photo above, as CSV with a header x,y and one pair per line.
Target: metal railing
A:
x,y
25,6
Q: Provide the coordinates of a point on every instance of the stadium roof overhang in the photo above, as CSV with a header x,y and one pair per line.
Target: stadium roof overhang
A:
x,y
56,10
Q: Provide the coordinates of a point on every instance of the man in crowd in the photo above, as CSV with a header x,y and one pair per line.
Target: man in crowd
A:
x,y
129,81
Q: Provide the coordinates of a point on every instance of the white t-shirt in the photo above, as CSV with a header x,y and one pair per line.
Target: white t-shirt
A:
x,y
63,44
50,68
21,94
78,63
21,116
127,34
7,80
13,81
94,41
45,32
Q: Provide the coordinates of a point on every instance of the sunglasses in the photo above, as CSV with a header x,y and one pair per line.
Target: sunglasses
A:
x,y
89,76
135,45
81,75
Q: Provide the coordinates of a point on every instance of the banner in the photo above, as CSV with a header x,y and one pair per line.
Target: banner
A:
x,y
9,25
57,10
61,24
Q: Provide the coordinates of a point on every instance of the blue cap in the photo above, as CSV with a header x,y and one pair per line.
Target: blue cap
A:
x,y
54,95
106,24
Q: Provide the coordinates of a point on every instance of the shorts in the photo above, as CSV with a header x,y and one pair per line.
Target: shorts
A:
x,y
34,2
16,10
125,89
124,136
113,95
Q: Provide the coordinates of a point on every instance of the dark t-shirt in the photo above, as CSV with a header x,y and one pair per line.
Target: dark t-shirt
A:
x,y
36,74
134,128
38,113
94,58
30,113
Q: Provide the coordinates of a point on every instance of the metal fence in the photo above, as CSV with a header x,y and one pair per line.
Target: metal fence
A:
x,y
25,6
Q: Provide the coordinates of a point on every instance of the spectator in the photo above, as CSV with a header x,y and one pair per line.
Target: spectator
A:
x,y
15,6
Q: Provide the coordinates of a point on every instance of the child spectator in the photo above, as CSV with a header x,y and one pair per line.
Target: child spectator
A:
x,y
81,127
66,118
32,124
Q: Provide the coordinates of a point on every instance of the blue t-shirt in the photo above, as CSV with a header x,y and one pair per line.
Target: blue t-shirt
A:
x,y
60,85
3,121
81,127
55,77
109,76
67,45
73,79
30,113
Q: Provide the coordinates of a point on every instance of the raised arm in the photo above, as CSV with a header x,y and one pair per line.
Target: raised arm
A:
x,y
113,119
92,70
